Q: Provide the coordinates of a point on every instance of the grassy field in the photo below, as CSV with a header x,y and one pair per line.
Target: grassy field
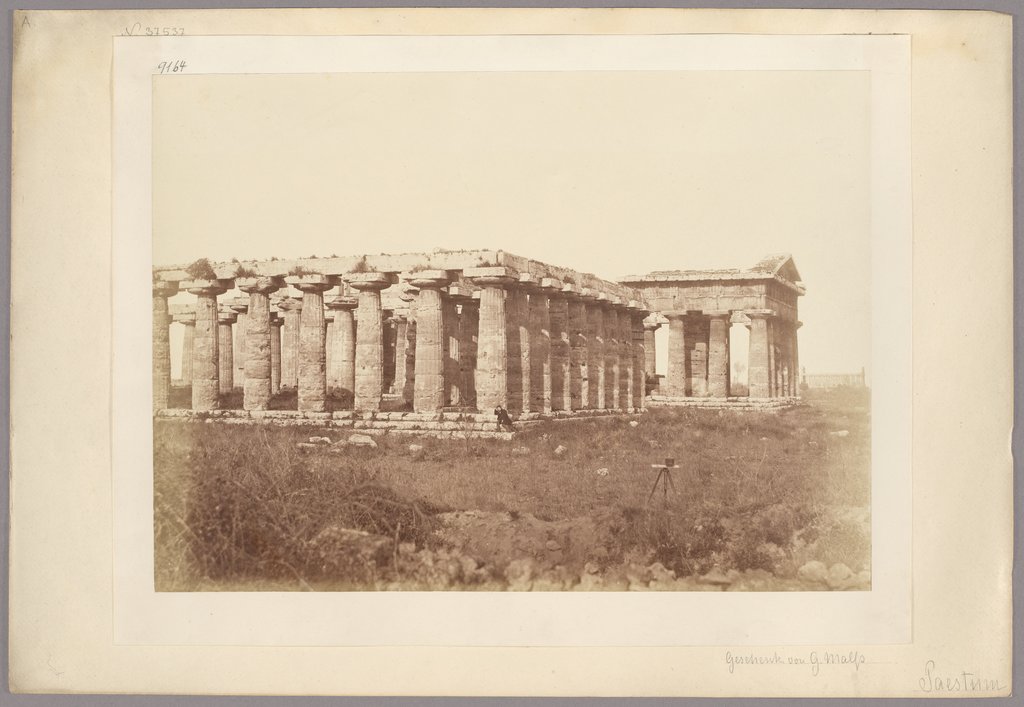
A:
x,y
239,506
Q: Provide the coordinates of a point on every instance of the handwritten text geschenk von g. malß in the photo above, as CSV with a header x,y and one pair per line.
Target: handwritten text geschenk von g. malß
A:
x,y
813,660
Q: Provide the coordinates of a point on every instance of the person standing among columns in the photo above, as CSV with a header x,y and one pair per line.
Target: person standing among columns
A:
x,y
369,373
492,346
205,362
312,363
429,391
257,386
162,343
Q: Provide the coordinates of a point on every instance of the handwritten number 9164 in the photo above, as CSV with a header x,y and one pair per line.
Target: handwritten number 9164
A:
x,y
171,67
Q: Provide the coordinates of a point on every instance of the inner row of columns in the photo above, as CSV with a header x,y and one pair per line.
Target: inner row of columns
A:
x,y
517,343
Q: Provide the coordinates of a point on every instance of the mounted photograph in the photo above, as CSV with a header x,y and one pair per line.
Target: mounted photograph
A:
x,y
397,345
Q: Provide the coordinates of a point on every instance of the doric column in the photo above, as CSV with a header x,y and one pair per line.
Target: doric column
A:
x,y
718,353
162,343
292,310
387,332
225,350
328,349
796,358
678,372
400,320
759,364
188,336
469,330
650,352
697,354
595,351
429,392
275,353
455,303
517,342
626,403
578,382
240,306
773,381
611,356
558,313
639,356
571,383
409,295
492,348
258,385
369,376
205,362
341,376
540,347
312,356
782,356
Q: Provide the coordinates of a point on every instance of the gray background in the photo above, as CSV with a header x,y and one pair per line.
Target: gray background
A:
x,y
1013,7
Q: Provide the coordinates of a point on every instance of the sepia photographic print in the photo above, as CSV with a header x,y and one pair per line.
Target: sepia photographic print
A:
x,y
495,331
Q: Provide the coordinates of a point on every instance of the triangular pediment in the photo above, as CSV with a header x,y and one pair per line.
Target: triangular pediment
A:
x,y
780,264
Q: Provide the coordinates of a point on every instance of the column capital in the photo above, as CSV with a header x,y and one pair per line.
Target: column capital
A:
x,y
262,285
651,325
675,314
184,317
549,286
341,302
718,313
759,313
493,276
206,287
588,295
460,294
570,291
226,316
238,305
312,283
367,281
289,304
164,288
428,279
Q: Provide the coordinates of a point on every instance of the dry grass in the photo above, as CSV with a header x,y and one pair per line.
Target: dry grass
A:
x,y
236,503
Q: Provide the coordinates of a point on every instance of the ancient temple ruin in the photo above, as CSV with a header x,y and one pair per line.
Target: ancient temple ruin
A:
x,y
468,331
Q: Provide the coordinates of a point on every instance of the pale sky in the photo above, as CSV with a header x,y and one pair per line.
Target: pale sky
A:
x,y
614,173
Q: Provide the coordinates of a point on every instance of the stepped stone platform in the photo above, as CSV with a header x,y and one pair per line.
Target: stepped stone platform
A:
x,y
453,425
731,403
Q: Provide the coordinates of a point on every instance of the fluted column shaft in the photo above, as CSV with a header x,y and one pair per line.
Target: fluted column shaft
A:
x,y
401,353
239,342
540,352
205,359
341,375
429,393
468,331
625,360
369,375
595,352
290,344
517,322
162,344
561,396
258,385
187,343
312,364
650,353
677,359
611,358
639,362
409,387
773,388
275,355
492,347
225,352
796,358
578,383
759,366
718,355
